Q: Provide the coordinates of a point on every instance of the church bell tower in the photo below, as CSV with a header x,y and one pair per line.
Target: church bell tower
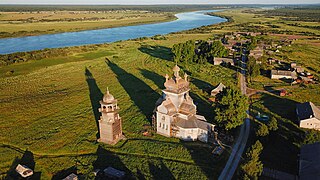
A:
x,y
110,125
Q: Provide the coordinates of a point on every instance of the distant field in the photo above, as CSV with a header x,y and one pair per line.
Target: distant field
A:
x,y
257,20
13,24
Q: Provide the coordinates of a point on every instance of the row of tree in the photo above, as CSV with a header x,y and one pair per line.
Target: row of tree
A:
x,y
200,52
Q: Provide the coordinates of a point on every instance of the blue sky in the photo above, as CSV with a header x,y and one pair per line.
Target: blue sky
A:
x,y
158,1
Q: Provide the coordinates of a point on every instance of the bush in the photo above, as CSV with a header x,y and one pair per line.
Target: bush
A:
x,y
263,130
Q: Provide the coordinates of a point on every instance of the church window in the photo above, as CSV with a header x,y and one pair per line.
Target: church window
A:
x,y
104,107
159,124
166,127
163,118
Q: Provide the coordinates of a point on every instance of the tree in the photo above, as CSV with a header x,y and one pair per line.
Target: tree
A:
x,y
263,130
176,49
273,124
231,108
312,136
253,167
253,69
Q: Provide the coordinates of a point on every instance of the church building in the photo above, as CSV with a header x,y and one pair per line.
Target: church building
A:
x,y
176,115
110,125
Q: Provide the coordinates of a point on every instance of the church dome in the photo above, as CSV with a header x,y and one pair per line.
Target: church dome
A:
x,y
176,68
108,98
176,83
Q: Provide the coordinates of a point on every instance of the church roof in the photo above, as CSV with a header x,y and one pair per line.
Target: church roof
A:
x,y
169,106
187,107
191,123
176,84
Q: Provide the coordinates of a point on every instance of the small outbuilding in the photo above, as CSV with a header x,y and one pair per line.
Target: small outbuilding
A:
x,y
218,89
72,176
219,61
114,173
283,74
24,171
308,115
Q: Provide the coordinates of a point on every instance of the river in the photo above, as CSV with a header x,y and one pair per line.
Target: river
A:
x,y
184,21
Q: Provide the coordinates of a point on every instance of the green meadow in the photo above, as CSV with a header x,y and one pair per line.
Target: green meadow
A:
x,y
50,107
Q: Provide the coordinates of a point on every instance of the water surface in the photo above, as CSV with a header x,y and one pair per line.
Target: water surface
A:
x,y
185,21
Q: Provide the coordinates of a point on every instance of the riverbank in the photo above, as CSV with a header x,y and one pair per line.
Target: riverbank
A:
x,y
22,24
185,21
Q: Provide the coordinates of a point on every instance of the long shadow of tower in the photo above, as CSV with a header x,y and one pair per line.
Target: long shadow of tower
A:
x,y
95,96
140,93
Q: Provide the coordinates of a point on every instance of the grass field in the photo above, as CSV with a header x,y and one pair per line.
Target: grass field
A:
x,y
14,24
248,20
49,107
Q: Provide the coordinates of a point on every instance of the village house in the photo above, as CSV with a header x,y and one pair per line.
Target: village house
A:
x,y
297,68
308,115
219,61
283,74
110,125
218,89
309,167
256,53
24,171
72,176
176,115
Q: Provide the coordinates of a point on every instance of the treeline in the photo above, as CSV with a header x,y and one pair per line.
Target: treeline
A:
x,y
295,14
152,8
18,57
198,52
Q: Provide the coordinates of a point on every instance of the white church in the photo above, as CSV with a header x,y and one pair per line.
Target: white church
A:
x,y
176,115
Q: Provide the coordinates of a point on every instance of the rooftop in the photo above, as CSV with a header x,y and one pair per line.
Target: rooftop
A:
x,y
307,110
309,166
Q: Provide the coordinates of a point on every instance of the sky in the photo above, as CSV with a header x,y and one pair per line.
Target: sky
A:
x,y
131,2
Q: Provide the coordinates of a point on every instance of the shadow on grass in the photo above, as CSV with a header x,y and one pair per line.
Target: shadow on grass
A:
x,y
140,93
283,107
95,96
106,159
156,78
201,154
204,86
160,52
281,147
204,108
27,159
64,173
160,172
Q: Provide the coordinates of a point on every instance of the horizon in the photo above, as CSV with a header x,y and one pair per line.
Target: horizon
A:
x,y
164,2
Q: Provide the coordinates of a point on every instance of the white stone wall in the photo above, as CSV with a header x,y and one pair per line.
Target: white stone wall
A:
x,y
280,77
163,124
188,134
311,123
